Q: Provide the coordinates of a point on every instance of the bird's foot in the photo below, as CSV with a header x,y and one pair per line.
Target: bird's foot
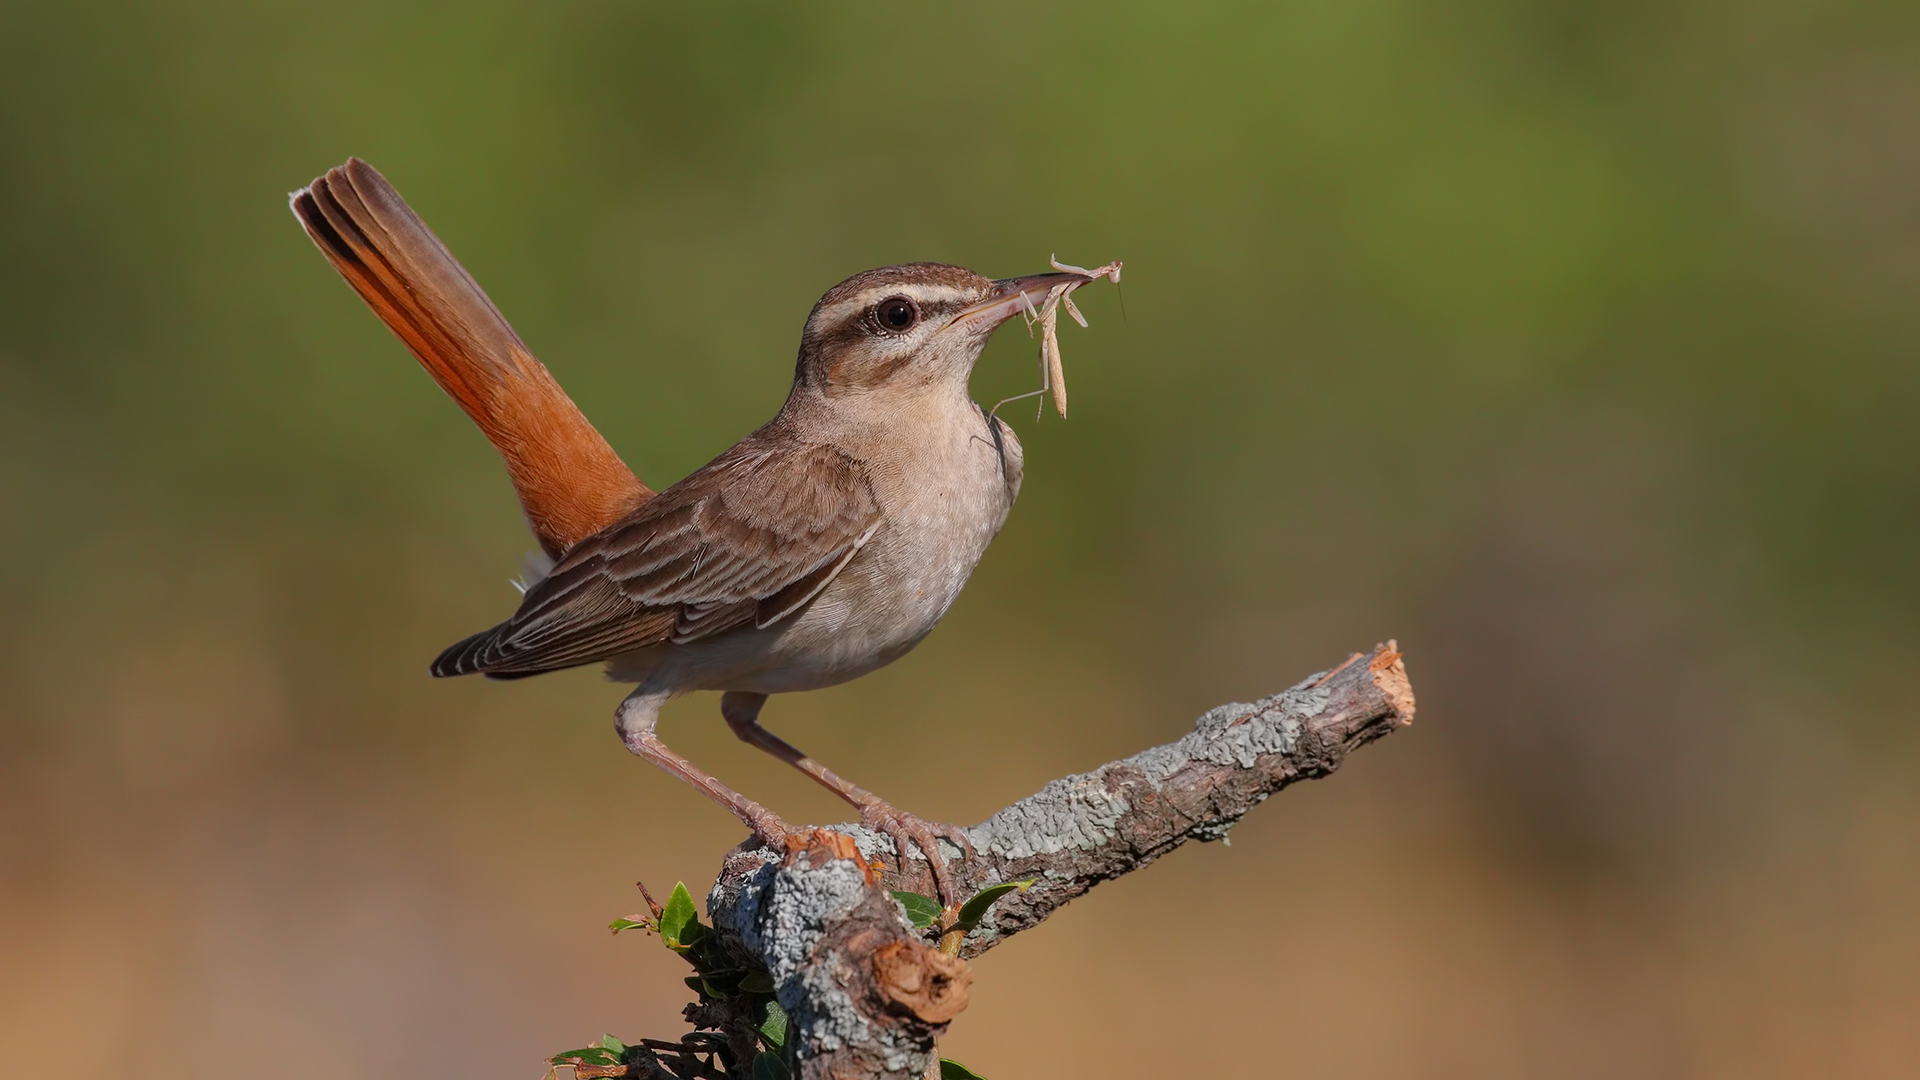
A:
x,y
910,831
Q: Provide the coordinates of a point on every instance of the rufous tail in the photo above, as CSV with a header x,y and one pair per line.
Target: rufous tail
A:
x,y
570,481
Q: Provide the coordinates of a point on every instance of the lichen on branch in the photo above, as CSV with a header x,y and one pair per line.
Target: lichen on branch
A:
x,y
854,970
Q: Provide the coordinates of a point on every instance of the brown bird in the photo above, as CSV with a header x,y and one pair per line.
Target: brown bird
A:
x,y
821,547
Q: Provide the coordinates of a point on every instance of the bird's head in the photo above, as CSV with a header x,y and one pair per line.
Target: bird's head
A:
x,y
909,328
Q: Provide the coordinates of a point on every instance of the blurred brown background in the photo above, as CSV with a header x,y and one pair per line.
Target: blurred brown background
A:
x,y
1572,343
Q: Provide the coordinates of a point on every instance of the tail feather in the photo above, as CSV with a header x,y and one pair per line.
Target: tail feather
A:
x,y
571,483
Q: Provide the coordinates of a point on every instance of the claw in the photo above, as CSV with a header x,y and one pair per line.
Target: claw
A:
x,y
926,835
955,835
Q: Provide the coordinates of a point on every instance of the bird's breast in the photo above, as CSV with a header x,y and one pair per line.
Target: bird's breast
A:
x,y
943,501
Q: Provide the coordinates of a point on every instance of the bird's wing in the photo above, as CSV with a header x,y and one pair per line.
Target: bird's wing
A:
x,y
746,541
570,481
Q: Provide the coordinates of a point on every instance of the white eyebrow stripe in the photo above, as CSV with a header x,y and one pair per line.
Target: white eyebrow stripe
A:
x,y
919,291
924,294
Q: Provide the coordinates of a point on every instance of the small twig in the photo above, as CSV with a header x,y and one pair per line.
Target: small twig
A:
x,y
816,927
866,996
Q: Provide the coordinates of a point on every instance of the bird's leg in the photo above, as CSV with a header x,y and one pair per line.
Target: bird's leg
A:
x,y
635,720
742,711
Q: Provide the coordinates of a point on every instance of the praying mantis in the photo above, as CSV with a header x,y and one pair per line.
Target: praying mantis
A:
x,y
1053,377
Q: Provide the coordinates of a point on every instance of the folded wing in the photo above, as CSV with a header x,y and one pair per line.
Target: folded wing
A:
x,y
744,542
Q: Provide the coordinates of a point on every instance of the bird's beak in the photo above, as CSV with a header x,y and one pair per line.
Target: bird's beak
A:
x,y
1012,296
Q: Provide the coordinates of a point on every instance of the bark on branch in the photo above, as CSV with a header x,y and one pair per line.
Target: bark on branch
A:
x,y
867,995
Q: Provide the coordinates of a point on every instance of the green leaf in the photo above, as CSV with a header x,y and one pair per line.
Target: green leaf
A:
x,y
679,922
618,925
975,909
757,983
615,1045
774,1028
586,1055
768,1066
953,1070
727,979
922,911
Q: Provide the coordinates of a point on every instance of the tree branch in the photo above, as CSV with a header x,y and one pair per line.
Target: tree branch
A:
x,y
866,994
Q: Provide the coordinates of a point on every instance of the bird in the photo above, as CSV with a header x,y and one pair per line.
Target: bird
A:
x,y
822,546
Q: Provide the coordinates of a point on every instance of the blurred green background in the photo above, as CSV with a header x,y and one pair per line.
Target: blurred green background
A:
x,y
1571,343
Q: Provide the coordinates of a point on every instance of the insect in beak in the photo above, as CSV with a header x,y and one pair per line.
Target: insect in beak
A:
x,y
1016,296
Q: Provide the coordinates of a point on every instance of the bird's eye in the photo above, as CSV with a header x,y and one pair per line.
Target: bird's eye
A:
x,y
896,313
